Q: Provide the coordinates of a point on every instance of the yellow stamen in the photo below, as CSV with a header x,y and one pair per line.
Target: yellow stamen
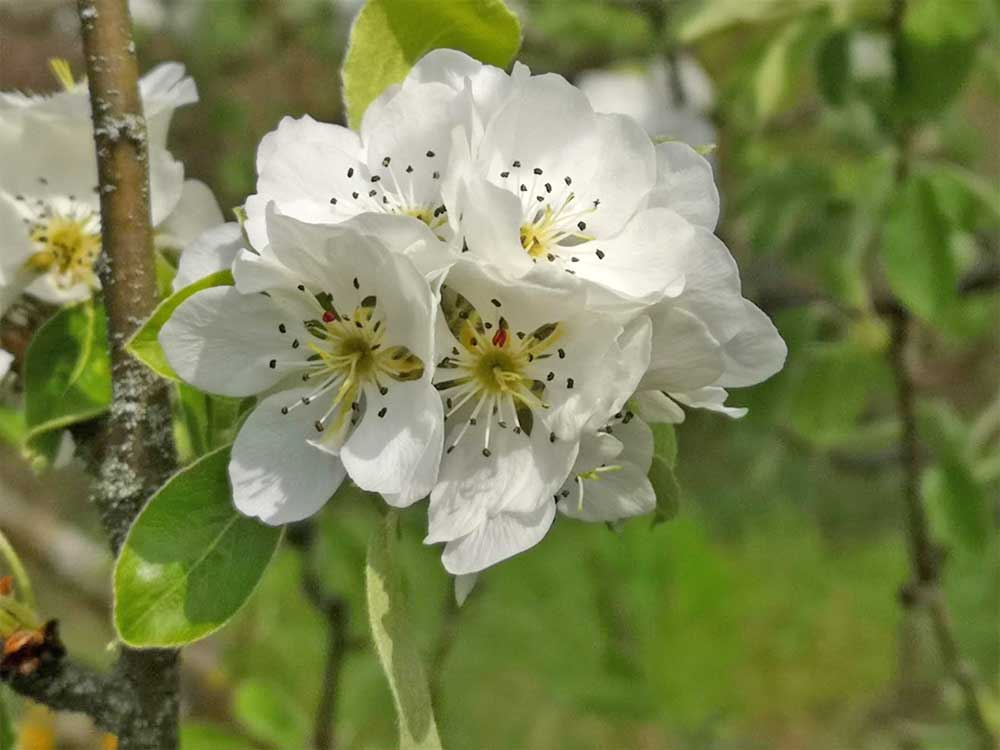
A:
x,y
61,70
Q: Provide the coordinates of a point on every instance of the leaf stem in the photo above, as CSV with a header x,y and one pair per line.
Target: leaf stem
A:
x,y
22,582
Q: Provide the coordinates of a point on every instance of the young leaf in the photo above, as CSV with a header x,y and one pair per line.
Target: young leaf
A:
x,y
667,489
190,560
916,253
937,54
389,36
67,372
144,344
665,443
394,641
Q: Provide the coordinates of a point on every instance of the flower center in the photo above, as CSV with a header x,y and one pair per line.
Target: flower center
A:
x,y
498,373
347,355
66,246
397,189
552,215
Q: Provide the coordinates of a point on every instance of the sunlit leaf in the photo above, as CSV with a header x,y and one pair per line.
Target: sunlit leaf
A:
x,y
394,639
389,36
144,344
67,372
190,560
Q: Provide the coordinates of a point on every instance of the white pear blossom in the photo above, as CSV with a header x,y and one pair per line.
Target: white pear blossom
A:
x,y
163,89
335,331
49,204
524,368
669,99
6,360
707,339
609,481
323,173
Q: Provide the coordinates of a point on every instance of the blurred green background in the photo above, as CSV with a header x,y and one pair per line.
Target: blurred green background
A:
x,y
767,614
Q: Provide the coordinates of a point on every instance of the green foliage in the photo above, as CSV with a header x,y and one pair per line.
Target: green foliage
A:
x,y
8,736
915,252
67,372
270,715
389,36
950,486
190,561
661,473
393,637
196,735
144,344
937,53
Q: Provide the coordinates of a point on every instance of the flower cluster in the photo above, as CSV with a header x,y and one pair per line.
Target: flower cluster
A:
x,y
482,296
50,223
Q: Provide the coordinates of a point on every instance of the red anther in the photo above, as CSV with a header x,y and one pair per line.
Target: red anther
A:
x,y
329,317
500,338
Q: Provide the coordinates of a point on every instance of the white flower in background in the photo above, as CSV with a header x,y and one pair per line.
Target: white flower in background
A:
x,y
609,481
6,360
163,89
323,173
669,100
707,339
523,370
336,332
50,226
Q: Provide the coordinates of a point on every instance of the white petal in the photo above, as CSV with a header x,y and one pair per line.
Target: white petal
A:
x,y
387,454
213,250
221,341
15,249
519,474
196,211
302,165
166,184
275,474
500,537
6,360
711,398
491,224
756,353
684,355
623,492
640,262
656,406
685,183
463,587
163,89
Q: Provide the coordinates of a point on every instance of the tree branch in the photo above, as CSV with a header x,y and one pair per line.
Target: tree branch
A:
x,y
925,556
67,686
139,701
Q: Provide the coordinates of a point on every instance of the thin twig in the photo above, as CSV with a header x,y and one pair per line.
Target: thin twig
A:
x,y
925,556
336,612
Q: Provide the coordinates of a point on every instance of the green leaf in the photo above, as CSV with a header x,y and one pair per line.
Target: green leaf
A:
x,y
190,560
393,634
271,714
937,53
196,735
710,18
67,371
8,737
389,36
667,489
665,443
833,67
916,252
12,428
144,344
830,393
775,71
950,487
